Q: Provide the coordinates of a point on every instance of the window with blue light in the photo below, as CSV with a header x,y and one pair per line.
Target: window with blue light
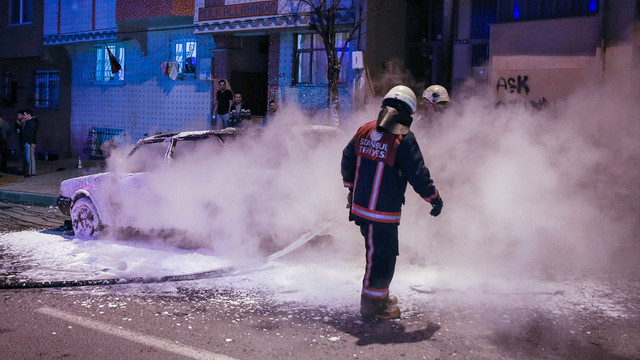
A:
x,y
524,10
47,88
109,64
184,54
312,60
20,12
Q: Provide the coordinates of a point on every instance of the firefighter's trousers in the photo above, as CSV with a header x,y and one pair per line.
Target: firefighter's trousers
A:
x,y
381,243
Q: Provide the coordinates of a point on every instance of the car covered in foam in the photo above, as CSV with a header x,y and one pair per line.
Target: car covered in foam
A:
x,y
128,196
90,201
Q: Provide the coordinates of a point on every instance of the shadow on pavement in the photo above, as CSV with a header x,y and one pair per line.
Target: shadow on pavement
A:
x,y
382,331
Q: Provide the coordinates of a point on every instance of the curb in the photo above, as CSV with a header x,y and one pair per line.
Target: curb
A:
x,y
28,198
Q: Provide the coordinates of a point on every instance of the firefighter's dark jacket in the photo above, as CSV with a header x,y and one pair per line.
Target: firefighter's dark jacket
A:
x,y
376,166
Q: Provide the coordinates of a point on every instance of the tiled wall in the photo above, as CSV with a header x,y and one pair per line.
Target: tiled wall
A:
x,y
310,98
78,16
148,102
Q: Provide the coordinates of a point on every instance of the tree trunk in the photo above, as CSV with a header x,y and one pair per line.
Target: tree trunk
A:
x,y
333,96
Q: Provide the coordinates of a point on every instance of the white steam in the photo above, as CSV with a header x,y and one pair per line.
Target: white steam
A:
x,y
525,193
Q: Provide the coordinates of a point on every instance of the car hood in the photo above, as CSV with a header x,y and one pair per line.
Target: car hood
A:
x,y
87,183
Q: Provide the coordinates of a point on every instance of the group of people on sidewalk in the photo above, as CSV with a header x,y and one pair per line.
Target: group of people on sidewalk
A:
x,y
230,110
26,127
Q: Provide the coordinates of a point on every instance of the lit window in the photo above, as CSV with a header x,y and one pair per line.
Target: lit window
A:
x,y
184,54
312,59
105,62
47,88
20,12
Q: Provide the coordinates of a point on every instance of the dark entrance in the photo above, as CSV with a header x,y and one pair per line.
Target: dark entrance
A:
x,y
249,67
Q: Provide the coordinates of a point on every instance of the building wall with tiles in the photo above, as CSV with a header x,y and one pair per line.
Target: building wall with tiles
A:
x,y
148,102
312,99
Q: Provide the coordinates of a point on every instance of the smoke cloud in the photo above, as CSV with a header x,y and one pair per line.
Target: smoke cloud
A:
x,y
526,193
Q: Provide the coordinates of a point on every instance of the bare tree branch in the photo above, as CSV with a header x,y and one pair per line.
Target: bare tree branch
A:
x,y
324,21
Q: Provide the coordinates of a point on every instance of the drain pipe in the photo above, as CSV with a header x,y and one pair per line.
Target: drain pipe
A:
x,y
603,35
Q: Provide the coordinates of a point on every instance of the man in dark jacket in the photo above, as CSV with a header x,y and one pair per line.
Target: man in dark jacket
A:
x,y
376,166
29,133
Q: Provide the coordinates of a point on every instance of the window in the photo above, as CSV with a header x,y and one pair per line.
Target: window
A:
x,y
9,95
104,63
47,88
184,54
312,60
523,10
20,12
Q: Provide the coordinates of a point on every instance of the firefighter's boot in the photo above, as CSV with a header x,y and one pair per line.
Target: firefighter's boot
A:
x,y
379,308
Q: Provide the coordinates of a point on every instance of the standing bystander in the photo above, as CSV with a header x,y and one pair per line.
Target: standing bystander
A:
x,y
224,98
239,111
19,127
29,133
271,112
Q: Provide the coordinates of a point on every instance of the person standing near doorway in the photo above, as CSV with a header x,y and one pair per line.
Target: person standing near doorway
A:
x,y
29,133
224,99
271,113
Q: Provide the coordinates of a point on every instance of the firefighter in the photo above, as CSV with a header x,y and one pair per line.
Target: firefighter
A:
x,y
376,165
436,97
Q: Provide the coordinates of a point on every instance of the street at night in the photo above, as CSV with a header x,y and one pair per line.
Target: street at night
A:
x,y
312,179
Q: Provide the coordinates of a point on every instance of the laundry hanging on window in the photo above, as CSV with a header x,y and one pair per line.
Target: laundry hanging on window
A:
x,y
173,73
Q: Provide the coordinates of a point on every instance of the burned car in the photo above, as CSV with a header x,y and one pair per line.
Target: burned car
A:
x,y
86,199
229,182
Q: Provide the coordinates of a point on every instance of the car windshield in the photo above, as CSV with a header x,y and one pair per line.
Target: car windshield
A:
x,y
152,155
146,157
194,146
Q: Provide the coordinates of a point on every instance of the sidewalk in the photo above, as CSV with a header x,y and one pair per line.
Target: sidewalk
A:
x,y
42,189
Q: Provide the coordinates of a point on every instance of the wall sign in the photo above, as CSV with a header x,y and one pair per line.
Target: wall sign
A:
x,y
218,10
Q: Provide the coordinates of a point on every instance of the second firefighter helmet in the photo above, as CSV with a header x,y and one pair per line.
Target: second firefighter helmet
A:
x,y
405,97
436,94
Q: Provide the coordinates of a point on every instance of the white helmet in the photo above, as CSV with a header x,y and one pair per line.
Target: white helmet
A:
x,y
404,94
435,94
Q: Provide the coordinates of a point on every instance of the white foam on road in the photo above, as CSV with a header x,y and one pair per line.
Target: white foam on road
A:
x,y
303,282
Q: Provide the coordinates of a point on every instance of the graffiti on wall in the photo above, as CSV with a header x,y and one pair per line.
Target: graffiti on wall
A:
x,y
511,84
518,85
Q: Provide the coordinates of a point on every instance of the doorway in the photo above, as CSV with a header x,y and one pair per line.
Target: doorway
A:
x,y
249,68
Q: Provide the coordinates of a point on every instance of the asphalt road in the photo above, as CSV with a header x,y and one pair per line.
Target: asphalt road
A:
x,y
189,320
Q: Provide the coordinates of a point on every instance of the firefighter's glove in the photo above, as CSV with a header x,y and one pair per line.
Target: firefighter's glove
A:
x,y
437,204
349,199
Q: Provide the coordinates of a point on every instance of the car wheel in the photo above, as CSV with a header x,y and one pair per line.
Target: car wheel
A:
x,y
84,219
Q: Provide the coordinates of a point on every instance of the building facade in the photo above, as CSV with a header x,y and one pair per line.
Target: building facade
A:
x,y
154,90
142,67
32,77
518,50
